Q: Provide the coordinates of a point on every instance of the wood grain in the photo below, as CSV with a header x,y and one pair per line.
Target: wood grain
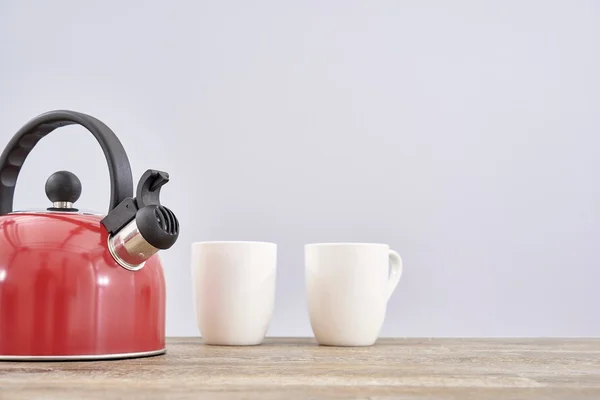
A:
x,y
299,369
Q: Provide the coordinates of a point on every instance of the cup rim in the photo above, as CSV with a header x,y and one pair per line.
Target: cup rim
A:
x,y
345,244
197,243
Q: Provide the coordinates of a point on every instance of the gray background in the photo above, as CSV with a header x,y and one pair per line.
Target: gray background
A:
x,y
465,134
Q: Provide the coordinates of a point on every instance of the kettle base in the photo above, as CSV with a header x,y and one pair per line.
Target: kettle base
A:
x,y
84,357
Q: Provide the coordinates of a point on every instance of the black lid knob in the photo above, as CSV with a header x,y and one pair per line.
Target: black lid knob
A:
x,y
63,188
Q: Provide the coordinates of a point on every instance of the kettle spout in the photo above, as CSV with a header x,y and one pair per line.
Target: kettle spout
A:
x,y
140,227
154,228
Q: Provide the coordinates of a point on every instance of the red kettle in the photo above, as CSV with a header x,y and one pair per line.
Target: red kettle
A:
x,y
76,285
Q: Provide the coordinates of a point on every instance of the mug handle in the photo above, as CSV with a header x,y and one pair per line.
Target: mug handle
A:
x,y
396,272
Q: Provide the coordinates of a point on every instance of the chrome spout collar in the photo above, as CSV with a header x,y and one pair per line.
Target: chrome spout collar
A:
x,y
129,248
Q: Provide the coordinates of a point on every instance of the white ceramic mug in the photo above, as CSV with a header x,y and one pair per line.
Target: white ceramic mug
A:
x,y
234,290
348,286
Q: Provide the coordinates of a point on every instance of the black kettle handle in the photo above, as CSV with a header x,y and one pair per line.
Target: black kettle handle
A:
x,y
21,144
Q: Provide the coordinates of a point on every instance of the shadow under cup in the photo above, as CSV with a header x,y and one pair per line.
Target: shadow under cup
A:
x,y
234,290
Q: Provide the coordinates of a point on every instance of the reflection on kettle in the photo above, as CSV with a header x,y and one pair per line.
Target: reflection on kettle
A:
x,y
77,285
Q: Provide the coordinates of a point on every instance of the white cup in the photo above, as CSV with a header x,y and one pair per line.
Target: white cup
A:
x,y
234,290
348,286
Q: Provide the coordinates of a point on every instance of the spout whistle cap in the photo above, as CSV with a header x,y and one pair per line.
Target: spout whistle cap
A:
x,y
158,226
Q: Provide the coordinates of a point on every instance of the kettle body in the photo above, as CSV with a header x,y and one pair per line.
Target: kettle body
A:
x,y
78,285
62,295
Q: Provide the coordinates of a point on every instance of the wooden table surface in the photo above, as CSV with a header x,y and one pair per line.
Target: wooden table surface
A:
x,y
299,369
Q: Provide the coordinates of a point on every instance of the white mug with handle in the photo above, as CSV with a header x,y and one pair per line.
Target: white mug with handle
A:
x,y
348,286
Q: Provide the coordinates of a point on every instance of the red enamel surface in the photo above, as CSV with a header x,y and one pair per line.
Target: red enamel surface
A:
x,y
61,292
